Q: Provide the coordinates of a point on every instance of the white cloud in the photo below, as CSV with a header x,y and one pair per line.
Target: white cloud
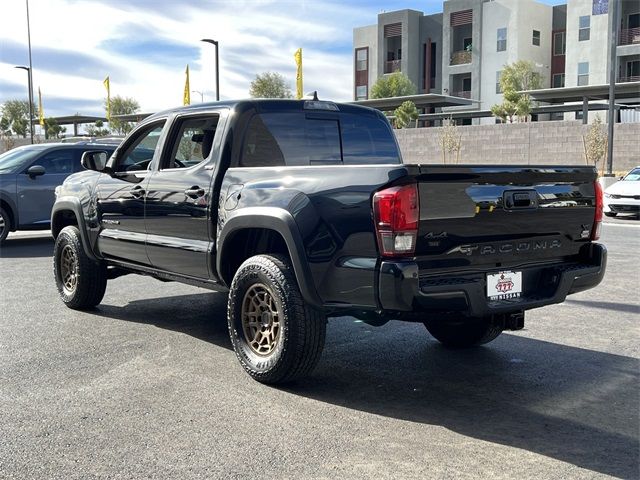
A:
x,y
255,36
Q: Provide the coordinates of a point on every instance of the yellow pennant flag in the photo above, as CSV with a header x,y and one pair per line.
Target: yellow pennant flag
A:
x,y
40,109
298,57
108,87
187,90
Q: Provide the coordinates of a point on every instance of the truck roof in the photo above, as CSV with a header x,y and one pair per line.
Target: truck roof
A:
x,y
269,105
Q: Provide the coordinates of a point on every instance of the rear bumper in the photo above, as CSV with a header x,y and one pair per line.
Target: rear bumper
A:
x,y
403,288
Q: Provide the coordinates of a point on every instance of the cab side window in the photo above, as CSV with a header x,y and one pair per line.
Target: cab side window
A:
x,y
59,161
138,155
192,142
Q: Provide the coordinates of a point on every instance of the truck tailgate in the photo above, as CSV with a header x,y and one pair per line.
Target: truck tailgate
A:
x,y
479,218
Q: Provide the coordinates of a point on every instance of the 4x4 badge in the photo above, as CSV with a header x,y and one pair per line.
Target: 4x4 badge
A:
x,y
434,235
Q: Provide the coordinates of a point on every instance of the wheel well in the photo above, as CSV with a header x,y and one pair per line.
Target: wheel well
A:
x,y
246,243
9,211
61,219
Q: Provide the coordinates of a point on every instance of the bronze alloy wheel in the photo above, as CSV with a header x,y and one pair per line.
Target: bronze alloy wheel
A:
x,y
69,269
261,319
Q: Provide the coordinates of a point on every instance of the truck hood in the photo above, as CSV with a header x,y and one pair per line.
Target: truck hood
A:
x,y
624,187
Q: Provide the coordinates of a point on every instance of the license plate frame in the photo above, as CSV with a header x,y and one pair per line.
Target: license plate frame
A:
x,y
504,285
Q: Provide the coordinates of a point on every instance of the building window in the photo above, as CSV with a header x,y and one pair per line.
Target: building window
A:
x,y
498,75
583,73
560,43
502,40
362,73
633,71
361,59
466,84
600,7
558,80
536,37
584,31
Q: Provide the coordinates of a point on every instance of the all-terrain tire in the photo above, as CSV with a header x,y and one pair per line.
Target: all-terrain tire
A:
x,y
81,281
463,332
276,336
5,224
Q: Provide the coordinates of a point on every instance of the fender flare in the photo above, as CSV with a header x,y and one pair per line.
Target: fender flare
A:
x,y
73,204
282,222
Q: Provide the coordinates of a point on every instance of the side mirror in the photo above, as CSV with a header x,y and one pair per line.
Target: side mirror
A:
x,y
95,160
35,171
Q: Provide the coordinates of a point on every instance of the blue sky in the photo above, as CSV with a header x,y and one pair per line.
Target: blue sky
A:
x,y
144,46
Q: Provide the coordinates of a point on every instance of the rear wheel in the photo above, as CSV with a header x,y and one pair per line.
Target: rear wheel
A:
x,y
5,225
463,332
275,335
81,281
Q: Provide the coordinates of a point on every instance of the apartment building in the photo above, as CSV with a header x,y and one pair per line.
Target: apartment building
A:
x,y
462,51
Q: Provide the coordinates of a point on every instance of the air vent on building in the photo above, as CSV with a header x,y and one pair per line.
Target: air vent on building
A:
x,y
463,17
393,30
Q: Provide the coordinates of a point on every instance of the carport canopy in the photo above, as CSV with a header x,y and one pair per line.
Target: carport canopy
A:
x,y
74,120
628,92
421,101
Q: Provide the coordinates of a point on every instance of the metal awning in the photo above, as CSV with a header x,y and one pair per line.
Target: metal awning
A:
x,y
457,115
74,120
423,100
627,90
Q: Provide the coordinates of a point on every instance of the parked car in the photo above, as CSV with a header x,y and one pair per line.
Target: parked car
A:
x,y
623,196
28,178
303,210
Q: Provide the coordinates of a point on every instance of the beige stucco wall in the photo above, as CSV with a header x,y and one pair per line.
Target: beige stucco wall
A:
x,y
534,143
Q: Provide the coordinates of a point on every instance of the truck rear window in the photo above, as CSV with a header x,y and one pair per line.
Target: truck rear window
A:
x,y
293,139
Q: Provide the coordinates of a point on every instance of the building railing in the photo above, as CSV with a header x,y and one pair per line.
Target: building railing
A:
x,y
462,94
460,58
634,78
392,66
629,36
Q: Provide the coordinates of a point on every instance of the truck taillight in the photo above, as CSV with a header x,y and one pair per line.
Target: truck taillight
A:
x,y
597,217
396,212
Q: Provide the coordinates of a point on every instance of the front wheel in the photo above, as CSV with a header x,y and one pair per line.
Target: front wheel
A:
x,y
5,225
463,332
276,336
80,280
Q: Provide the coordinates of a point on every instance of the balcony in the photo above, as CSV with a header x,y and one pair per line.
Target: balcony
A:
x,y
392,66
629,36
460,58
634,78
462,94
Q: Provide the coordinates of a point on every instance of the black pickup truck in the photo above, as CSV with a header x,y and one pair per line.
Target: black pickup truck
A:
x,y
303,210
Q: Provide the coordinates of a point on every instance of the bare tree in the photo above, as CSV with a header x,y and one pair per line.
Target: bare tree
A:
x,y
450,141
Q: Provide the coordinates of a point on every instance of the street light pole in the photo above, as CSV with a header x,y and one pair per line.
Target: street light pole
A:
x,y
613,45
30,75
215,43
28,70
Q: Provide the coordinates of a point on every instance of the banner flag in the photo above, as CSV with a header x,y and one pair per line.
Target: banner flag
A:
x,y
298,57
186,99
108,87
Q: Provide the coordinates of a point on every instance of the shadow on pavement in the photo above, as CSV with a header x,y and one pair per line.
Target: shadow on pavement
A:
x,y
575,405
620,307
27,247
203,316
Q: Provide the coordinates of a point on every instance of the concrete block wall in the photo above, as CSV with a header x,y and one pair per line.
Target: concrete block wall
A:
x,y
533,143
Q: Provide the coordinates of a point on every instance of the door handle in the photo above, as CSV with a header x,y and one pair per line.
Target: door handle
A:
x,y
194,192
137,191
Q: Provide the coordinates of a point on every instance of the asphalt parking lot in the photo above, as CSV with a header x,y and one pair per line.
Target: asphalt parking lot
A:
x,y
147,386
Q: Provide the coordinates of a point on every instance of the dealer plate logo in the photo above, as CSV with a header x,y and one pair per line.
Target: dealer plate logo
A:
x,y
504,285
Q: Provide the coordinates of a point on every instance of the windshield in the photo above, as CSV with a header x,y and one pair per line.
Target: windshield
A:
x,y
16,158
633,175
